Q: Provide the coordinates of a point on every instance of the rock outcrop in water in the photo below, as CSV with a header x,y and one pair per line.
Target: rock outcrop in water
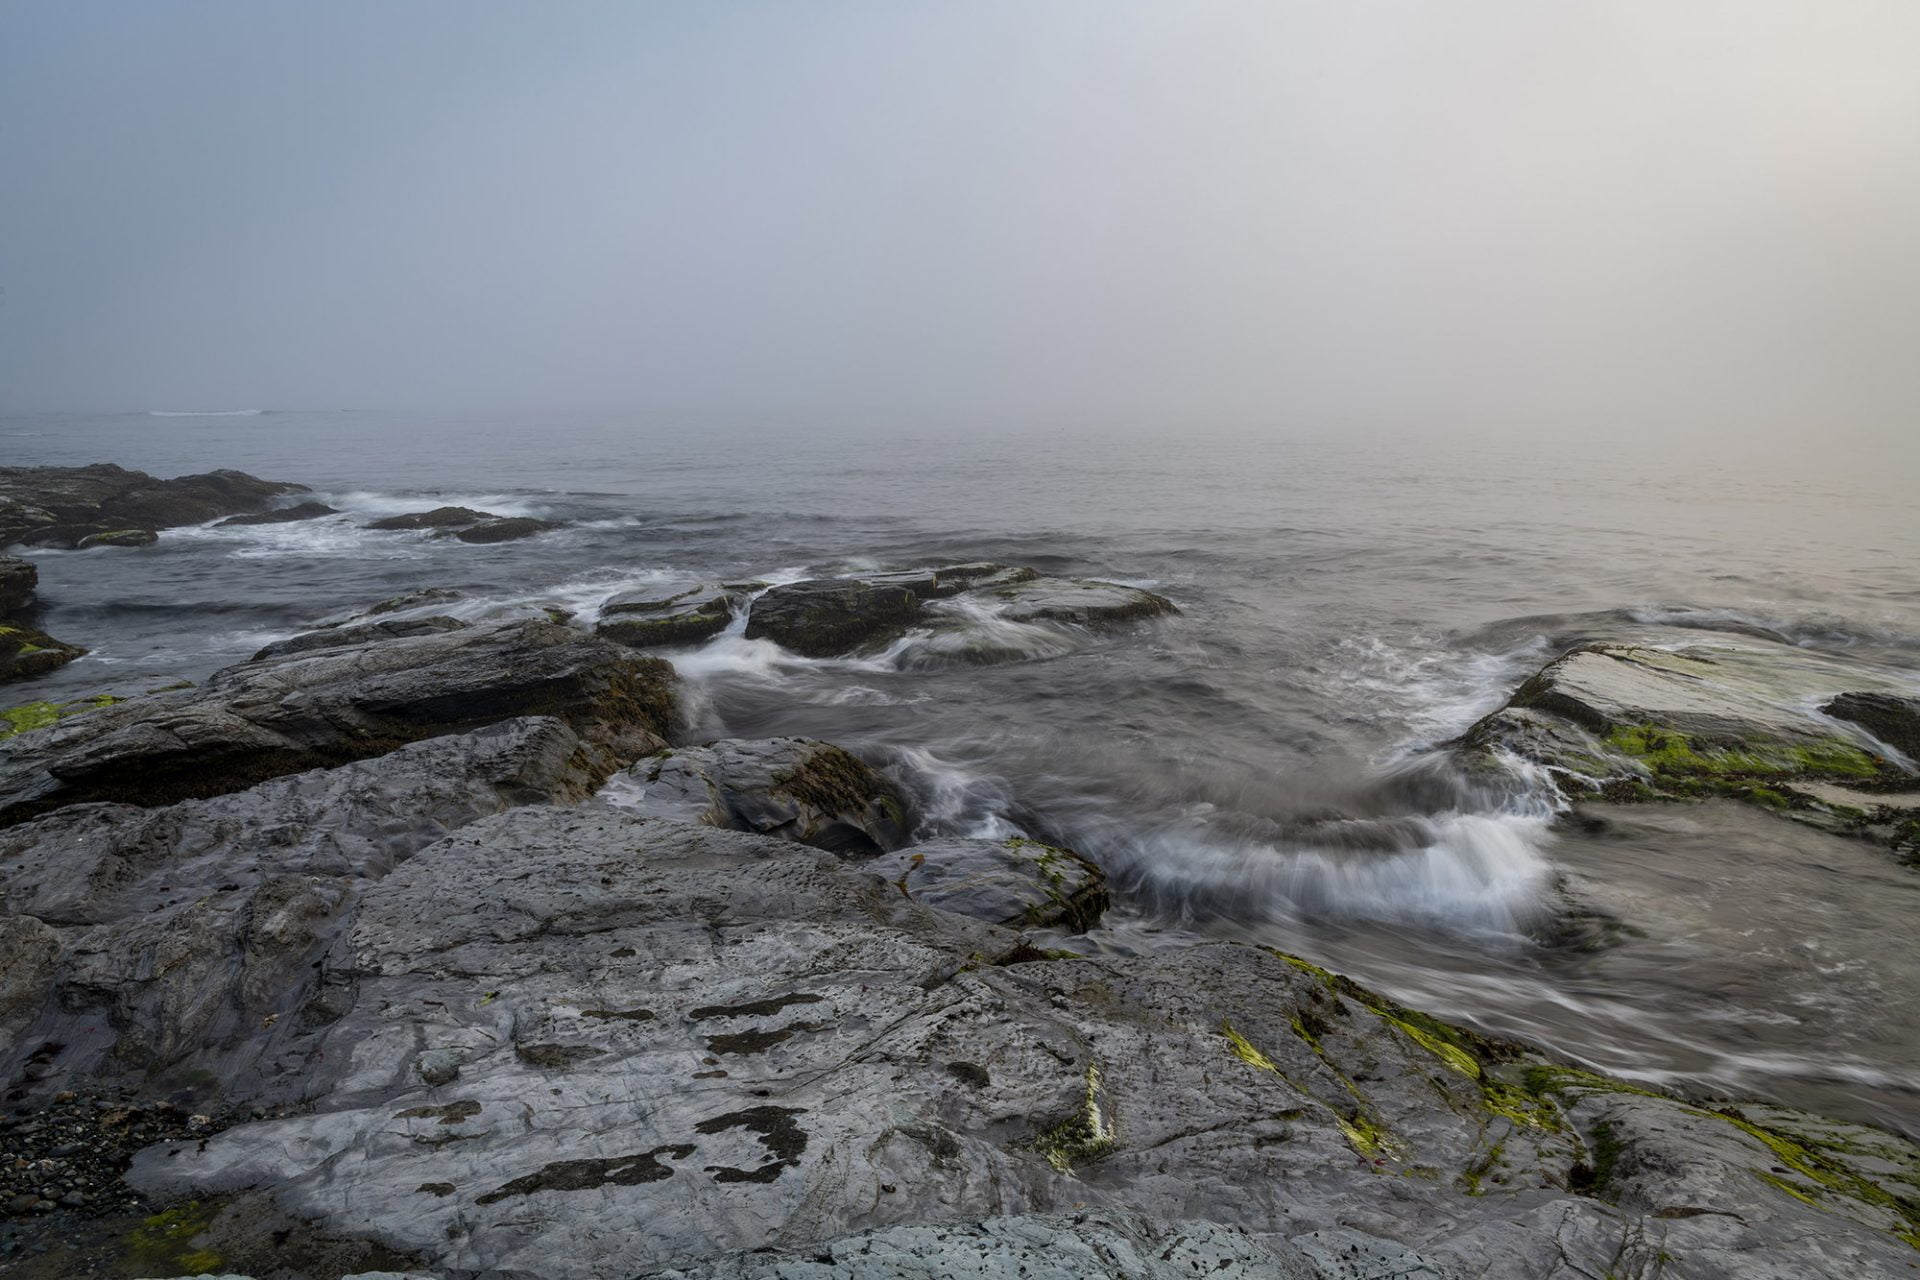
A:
x,y
438,518
25,651
436,1004
683,613
1635,722
282,515
105,505
325,706
829,617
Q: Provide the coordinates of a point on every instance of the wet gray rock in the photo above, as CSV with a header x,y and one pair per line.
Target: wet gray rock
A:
x,y
1080,602
682,613
1101,1245
161,946
827,617
408,601
674,1041
347,636
281,515
1892,719
118,538
795,788
330,706
18,578
438,518
1015,882
942,581
510,529
103,498
84,537
26,652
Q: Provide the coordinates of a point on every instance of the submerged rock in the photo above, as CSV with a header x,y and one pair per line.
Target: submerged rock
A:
x,y
18,578
282,515
118,538
503,530
674,1041
25,652
826,617
795,788
408,601
1015,882
669,615
103,498
438,518
304,710
346,636
1079,601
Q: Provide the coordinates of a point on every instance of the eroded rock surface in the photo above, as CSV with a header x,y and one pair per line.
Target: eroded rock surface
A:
x,y
155,947
329,706
656,1041
796,788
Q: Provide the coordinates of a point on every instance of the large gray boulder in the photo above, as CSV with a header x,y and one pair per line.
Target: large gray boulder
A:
x,y
826,617
157,948
680,613
574,1043
329,706
1017,883
103,498
795,788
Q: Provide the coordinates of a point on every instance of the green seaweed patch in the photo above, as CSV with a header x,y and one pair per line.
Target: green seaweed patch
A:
x,y
1670,754
164,1242
1082,1137
39,715
1363,1133
831,780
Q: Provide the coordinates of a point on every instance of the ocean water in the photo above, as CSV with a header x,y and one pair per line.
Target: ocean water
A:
x,y
1266,766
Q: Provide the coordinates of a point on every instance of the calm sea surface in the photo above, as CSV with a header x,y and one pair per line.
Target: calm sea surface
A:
x,y
1346,606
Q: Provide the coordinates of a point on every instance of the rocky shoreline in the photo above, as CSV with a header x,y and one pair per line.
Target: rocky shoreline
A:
x,y
425,946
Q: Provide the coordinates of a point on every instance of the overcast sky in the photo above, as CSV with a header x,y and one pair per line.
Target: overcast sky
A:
x,y
1268,214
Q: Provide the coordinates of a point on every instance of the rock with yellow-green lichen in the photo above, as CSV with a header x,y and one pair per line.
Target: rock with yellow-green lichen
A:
x,y
1736,719
25,652
796,788
40,715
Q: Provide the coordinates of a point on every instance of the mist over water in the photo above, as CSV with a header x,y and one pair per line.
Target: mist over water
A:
x,y
1262,767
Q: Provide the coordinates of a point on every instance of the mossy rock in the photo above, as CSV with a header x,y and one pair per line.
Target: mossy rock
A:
x,y
25,652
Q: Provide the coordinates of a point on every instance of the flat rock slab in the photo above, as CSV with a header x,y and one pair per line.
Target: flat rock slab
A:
x,y
580,1043
796,788
353,635
1017,883
329,706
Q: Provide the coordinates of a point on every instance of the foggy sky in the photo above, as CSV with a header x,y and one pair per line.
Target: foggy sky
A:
x,y
1273,214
